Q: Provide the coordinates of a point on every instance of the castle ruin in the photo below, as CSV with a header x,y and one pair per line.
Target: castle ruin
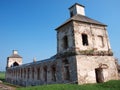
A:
x,y
83,55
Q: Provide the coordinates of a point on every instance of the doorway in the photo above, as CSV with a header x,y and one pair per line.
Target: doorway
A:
x,y
99,75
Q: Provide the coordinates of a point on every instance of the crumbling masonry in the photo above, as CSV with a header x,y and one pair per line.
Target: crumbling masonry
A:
x,y
83,56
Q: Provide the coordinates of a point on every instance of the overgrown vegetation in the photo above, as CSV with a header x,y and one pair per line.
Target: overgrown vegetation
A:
x,y
111,85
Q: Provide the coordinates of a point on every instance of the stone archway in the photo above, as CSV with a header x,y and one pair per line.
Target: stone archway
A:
x,y
99,75
15,64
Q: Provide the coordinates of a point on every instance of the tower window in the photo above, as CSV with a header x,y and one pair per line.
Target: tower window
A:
x,y
65,42
85,39
71,14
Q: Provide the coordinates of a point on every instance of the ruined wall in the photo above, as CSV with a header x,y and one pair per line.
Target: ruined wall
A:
x,y
62,70
86,66
66,30
11,61
97,37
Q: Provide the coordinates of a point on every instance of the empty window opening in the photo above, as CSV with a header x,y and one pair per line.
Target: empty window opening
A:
x,y
15,64
66,69
85,39
99,75
101,41
65,42
33,73
54,73
71,14
38,73
45,74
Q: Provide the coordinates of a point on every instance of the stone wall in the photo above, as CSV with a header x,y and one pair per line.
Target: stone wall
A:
x,y
94,33
66,30
86,66
11,61
61,70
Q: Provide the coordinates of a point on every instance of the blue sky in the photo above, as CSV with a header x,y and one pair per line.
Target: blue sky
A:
x,y
29,25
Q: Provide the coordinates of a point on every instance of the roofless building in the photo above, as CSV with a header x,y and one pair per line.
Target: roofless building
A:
x,y
83,55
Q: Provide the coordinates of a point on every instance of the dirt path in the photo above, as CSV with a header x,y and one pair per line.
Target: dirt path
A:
x,y
6,87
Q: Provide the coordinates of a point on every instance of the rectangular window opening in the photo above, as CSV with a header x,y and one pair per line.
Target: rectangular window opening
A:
x,y
85,39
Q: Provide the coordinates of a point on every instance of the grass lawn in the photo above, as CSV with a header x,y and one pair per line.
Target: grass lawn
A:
x,y
111,85
2,76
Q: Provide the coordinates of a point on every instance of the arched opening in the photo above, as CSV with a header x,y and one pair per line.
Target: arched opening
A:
x,y
28,73
66,70
38,73
45,73
65,42
99,75
15,64
24,73
84,39
33,71
21,73
53,68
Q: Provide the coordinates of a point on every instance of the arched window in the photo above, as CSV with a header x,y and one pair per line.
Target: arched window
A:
x,y
53,72
84,39
15,64
65,42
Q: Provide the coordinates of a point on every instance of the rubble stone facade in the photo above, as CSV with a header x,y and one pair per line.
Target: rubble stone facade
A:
x,y
83,56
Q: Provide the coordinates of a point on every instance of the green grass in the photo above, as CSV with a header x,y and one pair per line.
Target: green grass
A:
x,y
2,76
111,85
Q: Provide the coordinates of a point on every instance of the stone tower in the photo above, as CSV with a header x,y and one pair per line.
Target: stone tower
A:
x,y
14,60
82,34
83,55
86,41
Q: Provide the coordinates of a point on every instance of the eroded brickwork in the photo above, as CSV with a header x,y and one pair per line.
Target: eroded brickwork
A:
x,y
83,56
